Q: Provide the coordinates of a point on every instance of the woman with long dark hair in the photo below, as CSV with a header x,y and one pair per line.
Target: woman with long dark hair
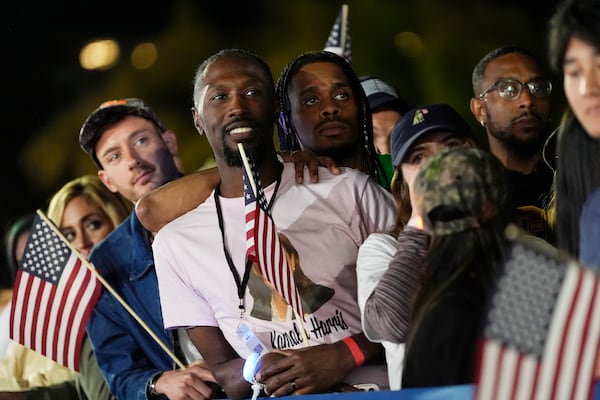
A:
x,y
389,262
461,196
574,49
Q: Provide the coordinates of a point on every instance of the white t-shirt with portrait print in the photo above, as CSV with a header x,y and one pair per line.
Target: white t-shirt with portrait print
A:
x,y
325,223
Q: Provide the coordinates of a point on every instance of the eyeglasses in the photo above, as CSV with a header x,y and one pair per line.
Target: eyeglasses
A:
x,y
510,89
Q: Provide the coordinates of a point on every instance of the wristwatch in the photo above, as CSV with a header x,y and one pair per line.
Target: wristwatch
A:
x,y
151,388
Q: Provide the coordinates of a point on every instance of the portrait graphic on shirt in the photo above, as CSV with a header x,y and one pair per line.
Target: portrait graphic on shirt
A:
x,y
269,305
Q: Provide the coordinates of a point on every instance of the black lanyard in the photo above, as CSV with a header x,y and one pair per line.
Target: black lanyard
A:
x,y
240,284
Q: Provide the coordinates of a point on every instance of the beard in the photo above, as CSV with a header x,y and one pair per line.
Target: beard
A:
x,y
520,147
233,157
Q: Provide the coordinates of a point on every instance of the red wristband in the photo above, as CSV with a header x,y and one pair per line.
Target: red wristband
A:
x,y
357,354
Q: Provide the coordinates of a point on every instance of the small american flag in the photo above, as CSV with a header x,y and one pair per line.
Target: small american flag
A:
x,y
542,334
53,297
338,41
262,241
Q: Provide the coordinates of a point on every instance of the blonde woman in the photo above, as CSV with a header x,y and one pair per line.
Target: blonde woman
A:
x,y
86,212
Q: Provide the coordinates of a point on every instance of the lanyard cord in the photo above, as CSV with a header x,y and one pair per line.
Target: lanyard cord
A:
x,y
243,283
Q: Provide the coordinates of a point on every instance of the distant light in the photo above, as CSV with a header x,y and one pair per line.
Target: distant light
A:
x,y
410,44
100,54
144,55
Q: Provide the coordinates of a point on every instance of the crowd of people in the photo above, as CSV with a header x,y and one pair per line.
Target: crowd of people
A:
x,y
389,215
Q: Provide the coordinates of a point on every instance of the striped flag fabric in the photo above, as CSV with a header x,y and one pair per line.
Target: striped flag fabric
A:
x,y
54,295
262,241
338,41
543,328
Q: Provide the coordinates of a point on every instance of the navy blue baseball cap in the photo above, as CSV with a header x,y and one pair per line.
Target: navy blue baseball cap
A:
x,y
417,122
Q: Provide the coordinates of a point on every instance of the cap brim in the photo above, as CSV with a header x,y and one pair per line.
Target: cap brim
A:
x,y
399,156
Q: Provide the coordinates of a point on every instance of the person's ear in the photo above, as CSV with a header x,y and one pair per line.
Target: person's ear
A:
x,y
478,110
171,141
196,118
106,181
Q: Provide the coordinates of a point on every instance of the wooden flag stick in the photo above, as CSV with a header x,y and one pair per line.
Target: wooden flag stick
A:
x,y
344,24
92,268
253,184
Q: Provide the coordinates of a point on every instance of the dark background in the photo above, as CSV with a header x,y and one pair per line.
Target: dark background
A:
x,y
48,95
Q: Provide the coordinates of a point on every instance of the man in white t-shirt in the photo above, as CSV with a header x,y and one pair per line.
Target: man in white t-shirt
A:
x,y
205,281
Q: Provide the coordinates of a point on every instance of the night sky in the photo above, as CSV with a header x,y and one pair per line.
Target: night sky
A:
x,y
47,94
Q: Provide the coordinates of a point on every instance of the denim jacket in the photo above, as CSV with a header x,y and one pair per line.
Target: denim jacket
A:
x,y
127,355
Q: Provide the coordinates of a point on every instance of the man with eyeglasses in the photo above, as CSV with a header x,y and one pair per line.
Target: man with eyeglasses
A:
x,y
512,102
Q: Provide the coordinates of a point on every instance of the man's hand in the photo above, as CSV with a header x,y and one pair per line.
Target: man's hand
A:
x,y
316,369
189,383
308,159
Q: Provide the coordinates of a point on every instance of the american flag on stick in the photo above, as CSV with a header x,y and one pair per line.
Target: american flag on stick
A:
x,y
338,41
262,241
53,296
543,327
